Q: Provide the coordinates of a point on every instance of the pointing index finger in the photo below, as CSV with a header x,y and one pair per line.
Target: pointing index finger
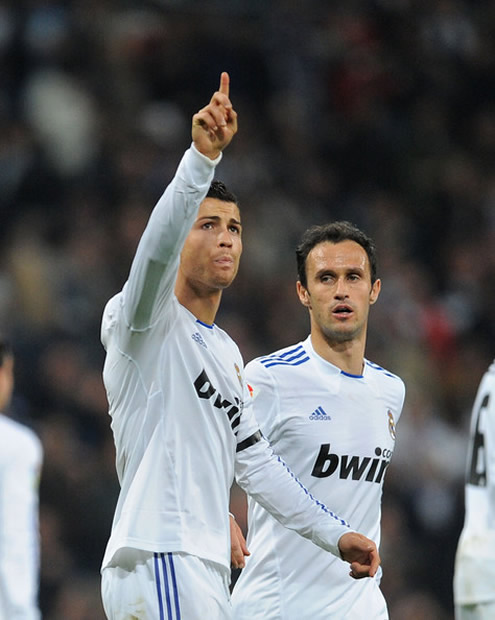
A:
x,y
224,83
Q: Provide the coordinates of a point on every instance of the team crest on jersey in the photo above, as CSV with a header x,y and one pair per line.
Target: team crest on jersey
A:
x,y
238,374
391,424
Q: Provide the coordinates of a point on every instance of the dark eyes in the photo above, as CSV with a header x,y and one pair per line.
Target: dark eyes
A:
x,y
233,228
353,277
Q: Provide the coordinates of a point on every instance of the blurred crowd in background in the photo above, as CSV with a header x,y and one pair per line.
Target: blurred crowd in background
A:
x,y
380,112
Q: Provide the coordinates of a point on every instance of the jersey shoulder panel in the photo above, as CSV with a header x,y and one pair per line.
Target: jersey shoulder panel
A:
x,y
379,370
385,378
391,387
289,357
228,341
267,378
276,371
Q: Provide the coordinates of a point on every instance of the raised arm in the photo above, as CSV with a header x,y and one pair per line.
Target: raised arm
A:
x,y
154,268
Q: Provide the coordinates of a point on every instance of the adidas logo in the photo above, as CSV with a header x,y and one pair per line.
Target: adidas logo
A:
x,y
199,339
319,414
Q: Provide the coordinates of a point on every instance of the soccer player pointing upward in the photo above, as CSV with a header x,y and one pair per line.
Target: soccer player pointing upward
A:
x,y
181,414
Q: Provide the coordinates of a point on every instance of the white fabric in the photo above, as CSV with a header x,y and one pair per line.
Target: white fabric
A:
x,y
20,464
169,586
176,396
337,434
474,575
481,611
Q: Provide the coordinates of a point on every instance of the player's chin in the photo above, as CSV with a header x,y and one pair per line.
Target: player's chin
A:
x,y
343,333
224,281
225,277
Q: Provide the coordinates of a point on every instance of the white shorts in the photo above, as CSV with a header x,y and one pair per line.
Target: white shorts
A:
x,y
483,611
165,586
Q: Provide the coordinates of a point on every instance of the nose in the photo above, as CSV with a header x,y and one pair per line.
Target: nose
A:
x,y
224,238
340,289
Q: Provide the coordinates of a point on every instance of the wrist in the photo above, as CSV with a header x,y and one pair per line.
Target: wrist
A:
x,y
212,157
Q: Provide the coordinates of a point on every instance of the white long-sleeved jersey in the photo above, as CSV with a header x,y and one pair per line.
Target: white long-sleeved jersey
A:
x,y
337,434
176,394
474,574
20,463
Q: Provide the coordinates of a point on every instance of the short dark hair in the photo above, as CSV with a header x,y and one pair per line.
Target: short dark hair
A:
x,y
334,232
5,350
219,190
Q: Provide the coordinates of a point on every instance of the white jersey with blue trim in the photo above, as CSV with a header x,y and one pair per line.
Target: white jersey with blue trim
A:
x,y
337,434
176,394
21,455
474,574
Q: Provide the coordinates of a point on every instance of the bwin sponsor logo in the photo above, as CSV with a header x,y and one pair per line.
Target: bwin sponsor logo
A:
x,y
354,467
205,389
319,414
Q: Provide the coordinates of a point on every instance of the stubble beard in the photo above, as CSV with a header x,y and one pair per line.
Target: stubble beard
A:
x,y
342,335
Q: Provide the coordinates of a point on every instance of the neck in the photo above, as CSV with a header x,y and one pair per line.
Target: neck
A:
x,y
347,355
203,305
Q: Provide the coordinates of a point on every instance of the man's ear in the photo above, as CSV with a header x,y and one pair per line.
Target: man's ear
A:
x,y
303,294
375,291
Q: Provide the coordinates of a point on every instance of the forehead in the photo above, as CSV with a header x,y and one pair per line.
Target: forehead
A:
x,y
212,207
341,255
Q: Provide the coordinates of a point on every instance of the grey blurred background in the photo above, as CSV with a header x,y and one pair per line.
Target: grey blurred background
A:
x,y
380,112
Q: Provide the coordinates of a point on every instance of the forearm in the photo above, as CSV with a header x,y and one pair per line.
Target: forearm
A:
x,y
268,480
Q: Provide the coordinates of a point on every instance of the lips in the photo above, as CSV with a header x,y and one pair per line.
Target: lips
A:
x,y
224,260
342,310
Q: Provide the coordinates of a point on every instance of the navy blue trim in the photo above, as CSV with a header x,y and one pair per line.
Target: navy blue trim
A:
x,y
168,593
289,358
174,585
205,324
158,589
167,587
274,363
348,374
377,367
281,355
316,501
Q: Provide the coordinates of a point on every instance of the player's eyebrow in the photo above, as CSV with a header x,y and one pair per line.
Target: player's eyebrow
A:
x,y
333,270
217,218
